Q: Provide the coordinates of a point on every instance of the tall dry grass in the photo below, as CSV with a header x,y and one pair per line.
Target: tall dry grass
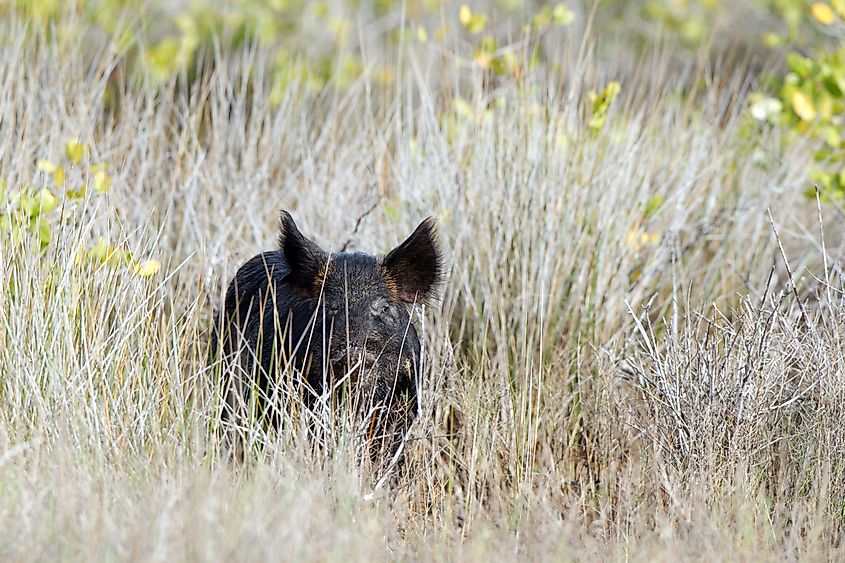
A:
x,y
601,379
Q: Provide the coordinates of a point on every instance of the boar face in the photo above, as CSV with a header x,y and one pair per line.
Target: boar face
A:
x,y
343,320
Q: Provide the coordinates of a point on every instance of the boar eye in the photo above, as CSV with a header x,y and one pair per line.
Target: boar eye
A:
x,y
381,308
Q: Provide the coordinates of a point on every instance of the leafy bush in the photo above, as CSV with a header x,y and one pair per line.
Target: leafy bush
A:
x,y
35,209
811,101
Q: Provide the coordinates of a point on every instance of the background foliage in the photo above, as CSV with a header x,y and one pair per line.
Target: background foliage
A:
x,y
325,44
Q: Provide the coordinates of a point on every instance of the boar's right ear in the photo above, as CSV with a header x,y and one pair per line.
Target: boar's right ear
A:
x,y
415,268
306,259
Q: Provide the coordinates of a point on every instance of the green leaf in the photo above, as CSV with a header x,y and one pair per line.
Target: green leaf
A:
x,y
653,205
99,250
77,194
802,66
5,222
833,85
41,228
35,203
773,40
474,23
831,136
600,104
562,16
391,213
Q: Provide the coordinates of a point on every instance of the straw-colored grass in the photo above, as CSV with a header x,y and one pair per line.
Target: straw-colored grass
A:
x,y
600,380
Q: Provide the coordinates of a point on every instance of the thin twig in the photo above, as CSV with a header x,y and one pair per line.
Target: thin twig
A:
x,y
358,226
789,271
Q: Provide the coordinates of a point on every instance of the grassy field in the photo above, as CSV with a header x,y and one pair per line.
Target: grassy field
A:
x,y
638,353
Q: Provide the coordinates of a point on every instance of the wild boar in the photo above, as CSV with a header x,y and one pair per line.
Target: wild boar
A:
x,y
329,323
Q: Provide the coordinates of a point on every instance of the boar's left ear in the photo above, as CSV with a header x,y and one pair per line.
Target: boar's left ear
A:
x,y
414,268
306,259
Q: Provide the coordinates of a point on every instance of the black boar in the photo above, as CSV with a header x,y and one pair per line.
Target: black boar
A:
x,y
329,322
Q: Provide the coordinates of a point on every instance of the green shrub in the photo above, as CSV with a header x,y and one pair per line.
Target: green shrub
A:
x,y
58,193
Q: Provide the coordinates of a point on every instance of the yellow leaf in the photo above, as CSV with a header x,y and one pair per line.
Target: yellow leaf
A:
x,y
477,23
102,182
422,34
638,239
45,165
823,13
57,171
47,201
825,105
75,150
631,239
601,102
803,106
59,176
650,239
114,257
612,90
99,250
463,108
147,268
465,15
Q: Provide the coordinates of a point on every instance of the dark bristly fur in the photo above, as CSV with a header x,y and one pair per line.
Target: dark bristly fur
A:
x,y
321,317
414,267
